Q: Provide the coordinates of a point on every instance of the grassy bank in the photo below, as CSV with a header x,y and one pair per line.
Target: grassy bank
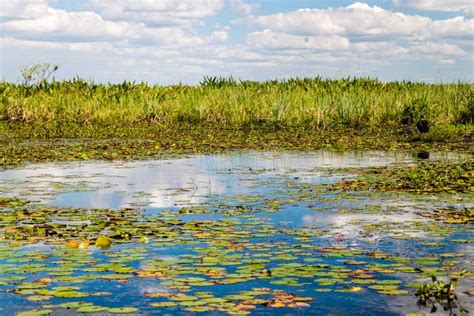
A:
x,y
159,143
80,109
132,121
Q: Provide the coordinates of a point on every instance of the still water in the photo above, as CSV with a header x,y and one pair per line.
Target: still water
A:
x,y
249,232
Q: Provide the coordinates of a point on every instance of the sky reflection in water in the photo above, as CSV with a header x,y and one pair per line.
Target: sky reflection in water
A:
x,y
214,179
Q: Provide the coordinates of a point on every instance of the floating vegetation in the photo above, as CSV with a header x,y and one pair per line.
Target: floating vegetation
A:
x,y
288,245
424,177
190,140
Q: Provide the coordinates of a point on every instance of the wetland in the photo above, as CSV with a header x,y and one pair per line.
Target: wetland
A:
x,y
242,232
284,197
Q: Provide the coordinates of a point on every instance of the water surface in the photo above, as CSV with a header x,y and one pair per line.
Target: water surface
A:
x,y
253,221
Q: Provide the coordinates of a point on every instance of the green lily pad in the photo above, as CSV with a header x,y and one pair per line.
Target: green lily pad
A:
x,y
393,292
36,298
184,298
164,304
73,305
91,309
35,312
383,287
122,310
70,294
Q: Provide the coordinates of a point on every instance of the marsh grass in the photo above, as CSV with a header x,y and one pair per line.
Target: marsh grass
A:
x,y
77,108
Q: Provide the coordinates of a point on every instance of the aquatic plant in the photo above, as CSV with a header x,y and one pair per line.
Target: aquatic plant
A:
x,y
425,177
231,254
441,293
77,108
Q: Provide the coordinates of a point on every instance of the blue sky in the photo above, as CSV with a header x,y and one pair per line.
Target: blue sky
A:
x,y
171,41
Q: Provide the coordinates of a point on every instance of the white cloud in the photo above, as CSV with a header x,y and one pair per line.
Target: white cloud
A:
x,y
362,20
466,6
454,28
274,40
158,12
447,62
244,7
361,32
172,37
47,24
14,9
68,26
219,36
437,49
155,39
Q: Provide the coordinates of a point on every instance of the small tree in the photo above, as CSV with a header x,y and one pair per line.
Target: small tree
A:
x,y
36,74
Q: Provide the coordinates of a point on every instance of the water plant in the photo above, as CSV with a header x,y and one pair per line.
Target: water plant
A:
x,y
78,108
422,177
439,293
228,254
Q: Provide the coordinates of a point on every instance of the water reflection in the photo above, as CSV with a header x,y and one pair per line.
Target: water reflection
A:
x,y
159,184
177,182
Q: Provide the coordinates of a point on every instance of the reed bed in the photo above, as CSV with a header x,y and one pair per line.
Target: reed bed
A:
x,y
77,108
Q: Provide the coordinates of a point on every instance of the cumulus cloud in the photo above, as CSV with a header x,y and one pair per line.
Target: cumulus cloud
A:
x,y
437,49
158,12
275,40
363,21
466,6
42,23
15,9
244,7
141,38
359,30
60,25
220,36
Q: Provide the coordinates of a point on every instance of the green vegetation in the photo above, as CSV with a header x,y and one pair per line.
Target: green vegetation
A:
x,y
195,140
78,108
237,248
439,292
246,243
132,121
435,176
425,177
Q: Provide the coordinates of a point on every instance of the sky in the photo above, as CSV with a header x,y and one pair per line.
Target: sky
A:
x,y
181,41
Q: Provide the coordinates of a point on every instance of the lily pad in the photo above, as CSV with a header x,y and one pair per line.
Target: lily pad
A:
x,y
35,312
122,310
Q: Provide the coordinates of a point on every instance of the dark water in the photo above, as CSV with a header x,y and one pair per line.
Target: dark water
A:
x,y
316,243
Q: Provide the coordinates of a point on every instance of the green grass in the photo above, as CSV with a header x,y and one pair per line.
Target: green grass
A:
x,y
134,121
80,109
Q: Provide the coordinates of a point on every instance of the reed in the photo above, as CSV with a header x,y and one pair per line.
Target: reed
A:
x,y
77,108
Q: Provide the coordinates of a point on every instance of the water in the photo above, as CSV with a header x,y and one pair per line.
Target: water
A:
x,y
251,220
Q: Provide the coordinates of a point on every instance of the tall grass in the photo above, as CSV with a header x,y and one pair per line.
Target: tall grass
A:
x,y
311,103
